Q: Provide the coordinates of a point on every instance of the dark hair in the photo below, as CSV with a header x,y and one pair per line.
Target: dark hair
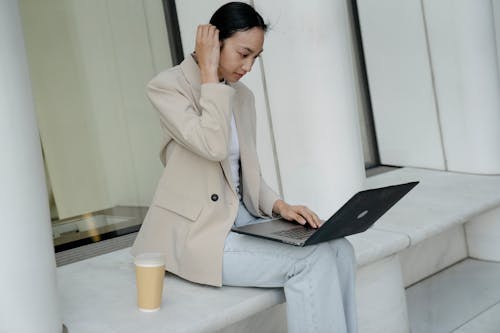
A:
x,y
236,16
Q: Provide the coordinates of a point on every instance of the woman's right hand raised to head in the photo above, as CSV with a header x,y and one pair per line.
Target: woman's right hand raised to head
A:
x,y
208,52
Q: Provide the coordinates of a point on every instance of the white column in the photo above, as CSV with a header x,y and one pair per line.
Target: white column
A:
x,y
28,301
312,101
310,84
464,59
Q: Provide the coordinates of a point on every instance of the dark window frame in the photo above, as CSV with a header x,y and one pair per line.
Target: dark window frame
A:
x,y
370,129
173,31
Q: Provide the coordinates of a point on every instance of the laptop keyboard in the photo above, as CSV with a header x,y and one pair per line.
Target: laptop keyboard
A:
x,y
296,233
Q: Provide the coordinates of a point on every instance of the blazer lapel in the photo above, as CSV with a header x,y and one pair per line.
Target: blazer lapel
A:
x,y
226,168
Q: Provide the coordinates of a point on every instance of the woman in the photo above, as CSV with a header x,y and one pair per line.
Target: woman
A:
x,y
212,180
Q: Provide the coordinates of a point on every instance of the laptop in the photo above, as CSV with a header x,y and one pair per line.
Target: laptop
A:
x,y
355,216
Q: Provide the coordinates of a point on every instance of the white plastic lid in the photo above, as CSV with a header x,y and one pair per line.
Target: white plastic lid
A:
x,y
149,260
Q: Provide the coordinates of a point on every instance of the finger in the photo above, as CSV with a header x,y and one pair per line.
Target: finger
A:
x,y
198,33
201,35
293,214
214,34
313,217
308,215
317,220
299,218
306,218
207,29
310,220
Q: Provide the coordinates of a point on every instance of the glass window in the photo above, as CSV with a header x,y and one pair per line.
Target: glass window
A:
x,y
89,62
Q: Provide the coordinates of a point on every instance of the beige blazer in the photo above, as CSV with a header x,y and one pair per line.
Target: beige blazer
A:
x,y
195,203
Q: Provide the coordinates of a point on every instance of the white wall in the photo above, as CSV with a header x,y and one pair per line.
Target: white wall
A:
x,y
90,61
433,70
463,50
400,79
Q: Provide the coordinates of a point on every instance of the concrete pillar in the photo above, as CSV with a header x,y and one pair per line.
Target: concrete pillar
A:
x,y
308,69
29,300
308,72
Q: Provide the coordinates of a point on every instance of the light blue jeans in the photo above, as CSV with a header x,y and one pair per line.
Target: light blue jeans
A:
x,y
318,280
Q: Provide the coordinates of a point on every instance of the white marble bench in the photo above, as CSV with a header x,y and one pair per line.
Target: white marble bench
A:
x,y
422,234
98,295
446,218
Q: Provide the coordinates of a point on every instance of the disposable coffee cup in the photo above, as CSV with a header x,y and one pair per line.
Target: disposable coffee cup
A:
x,y
149,273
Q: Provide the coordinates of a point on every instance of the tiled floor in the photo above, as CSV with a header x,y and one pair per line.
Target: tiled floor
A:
x,y
464,298
488,321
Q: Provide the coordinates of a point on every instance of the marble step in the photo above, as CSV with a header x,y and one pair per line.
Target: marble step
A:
x,y
486,322
462,298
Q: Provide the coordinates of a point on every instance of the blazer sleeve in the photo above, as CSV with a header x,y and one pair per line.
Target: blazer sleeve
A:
x,y
206,134
267,198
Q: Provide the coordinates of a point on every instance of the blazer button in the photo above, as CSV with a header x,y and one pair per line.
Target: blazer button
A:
x,y
214,197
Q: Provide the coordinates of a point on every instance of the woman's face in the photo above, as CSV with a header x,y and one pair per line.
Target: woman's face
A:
x,y
239,52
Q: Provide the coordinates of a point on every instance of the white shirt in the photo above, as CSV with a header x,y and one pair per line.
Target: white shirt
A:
x,y
234,157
